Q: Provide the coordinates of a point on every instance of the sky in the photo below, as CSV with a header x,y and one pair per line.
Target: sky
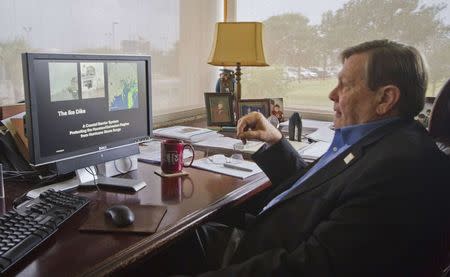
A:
x,y
78,24
311,9
266,8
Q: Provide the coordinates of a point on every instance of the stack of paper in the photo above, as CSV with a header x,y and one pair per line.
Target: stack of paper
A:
x,y
314,150
230,144
236,144
322,134
312,124
218,142
191,134
250,147
298,145
253,146
206,164
308,125
150,152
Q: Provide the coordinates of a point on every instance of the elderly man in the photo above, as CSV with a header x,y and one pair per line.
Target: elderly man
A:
x,y
377,202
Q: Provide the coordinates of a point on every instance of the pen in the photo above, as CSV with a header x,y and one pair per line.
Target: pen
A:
x,y
233,166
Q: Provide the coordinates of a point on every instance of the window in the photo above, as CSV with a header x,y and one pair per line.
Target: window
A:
x,y
302,41
177,34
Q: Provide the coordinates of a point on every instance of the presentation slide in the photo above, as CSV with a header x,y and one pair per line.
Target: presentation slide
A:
x,y
85,106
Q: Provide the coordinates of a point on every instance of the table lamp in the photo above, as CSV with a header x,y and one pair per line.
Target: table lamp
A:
x,y
238,44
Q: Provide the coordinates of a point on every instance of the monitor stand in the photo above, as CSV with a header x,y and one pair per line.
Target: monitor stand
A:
x,y
117,167
131,185
86,179
89,177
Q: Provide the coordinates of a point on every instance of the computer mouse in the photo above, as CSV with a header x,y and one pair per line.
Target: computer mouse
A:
x,y
120,215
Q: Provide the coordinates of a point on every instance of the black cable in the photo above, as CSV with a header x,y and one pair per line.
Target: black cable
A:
x,y
17,171
19,200
43,180
22,177
94,175
29,176
202,246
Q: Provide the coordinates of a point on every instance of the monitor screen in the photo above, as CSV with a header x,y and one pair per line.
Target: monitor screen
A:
x,y
79,104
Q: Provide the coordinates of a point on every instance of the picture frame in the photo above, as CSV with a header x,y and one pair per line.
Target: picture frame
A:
x,y
226,81
219,109
246,106
277,108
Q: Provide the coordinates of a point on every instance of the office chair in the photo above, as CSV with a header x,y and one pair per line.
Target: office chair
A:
x,y
439,129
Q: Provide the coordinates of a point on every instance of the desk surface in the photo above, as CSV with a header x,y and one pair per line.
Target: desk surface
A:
x,y
70,252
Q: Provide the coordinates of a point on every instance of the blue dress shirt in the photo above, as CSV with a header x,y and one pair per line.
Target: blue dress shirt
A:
x,y
343,139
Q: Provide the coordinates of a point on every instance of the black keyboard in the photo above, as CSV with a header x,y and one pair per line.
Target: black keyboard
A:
x,y
33,222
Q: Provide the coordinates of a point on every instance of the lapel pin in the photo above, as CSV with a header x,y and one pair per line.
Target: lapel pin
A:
x,y
348,158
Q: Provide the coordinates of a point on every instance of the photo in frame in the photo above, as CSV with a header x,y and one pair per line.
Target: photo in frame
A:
x,y
219,109
246,106
277,108
226,81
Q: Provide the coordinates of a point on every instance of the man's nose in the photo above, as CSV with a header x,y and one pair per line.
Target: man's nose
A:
x,y
333,96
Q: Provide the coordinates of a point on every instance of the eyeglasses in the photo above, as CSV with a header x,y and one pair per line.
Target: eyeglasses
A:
x,y
222,159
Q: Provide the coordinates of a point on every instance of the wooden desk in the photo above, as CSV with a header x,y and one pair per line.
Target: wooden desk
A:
x,y
70,252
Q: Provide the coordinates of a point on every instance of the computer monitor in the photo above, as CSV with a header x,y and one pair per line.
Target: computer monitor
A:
x,y
83,110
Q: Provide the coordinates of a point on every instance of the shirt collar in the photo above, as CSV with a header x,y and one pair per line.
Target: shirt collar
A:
x,y
351,134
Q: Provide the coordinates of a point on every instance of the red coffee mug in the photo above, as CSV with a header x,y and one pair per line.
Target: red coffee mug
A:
x,y
172,155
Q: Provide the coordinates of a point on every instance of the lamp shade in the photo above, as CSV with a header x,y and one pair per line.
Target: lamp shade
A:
x,y
238,42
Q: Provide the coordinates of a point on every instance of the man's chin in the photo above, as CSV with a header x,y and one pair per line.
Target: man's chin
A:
x,y
337,123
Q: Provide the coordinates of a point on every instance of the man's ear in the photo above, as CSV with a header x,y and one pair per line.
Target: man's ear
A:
x,y
387,97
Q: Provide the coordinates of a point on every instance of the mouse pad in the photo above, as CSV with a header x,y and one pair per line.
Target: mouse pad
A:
x,y
146,219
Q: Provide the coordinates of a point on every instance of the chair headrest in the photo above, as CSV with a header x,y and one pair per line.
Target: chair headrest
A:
x,y
439,127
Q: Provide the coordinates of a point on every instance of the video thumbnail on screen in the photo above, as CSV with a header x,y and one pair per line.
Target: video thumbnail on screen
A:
x,y
63,81
92,80
123,89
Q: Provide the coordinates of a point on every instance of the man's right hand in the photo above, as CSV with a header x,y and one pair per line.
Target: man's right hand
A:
x,y
256,126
